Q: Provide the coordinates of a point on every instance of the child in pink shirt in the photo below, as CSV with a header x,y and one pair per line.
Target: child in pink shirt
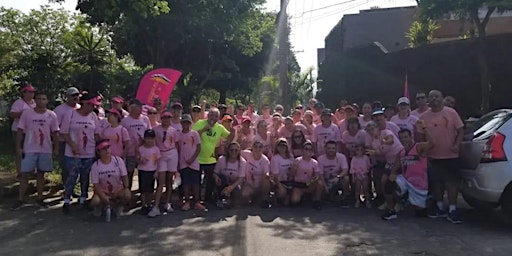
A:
x,y
308,177
148,156
117,135
359,168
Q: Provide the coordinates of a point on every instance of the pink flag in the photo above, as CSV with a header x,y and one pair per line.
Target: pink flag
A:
x,y
406,88
157,83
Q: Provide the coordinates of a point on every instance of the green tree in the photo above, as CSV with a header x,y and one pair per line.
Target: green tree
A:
x,y
470,9
421,32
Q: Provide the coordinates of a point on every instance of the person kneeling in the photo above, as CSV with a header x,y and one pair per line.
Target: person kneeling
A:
x,y
257,183
229,175
308,178
110,181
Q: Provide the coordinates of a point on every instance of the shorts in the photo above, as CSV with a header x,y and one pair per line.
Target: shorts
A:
x,y
300,185
416,197
332,184
287,184
190,177
445,171
169,161
146,181
42,162
131,163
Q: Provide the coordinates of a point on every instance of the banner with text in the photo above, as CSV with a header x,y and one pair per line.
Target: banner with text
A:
x,y
157,83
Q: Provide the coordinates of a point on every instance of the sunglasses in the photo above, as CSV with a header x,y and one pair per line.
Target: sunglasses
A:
x,y
152,113
297,137
282,145
258,146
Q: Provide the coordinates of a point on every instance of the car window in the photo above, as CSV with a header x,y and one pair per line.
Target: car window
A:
x,y
487,125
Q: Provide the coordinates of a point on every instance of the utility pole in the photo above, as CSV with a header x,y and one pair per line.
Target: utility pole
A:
x,y
284,86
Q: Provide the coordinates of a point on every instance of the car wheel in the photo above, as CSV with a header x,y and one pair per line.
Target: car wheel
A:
x,y
477,204
506,202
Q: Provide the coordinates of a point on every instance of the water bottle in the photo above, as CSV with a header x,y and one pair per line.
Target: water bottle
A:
x,y
108,214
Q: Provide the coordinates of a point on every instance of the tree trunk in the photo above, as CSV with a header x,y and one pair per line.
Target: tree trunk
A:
x,y
222,97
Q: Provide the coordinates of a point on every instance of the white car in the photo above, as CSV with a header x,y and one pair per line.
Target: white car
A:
x,y
485,158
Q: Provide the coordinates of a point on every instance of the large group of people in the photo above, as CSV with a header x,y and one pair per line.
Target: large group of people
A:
x,y
377,156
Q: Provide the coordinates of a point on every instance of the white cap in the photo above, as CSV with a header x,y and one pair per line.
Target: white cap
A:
x,y
404,100
72,90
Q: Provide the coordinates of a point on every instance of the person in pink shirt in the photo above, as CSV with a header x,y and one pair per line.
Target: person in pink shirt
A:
x,y
359,169
176,111
308,178
288,128
36,140
349,113
264,137
166,141
26,101
189,146
447,128
367,115
280,171
245,134
422,103
153,116
116,134
229,175
389,112
265,116
380,119
81,130
117,103
403,119
251,112
110,181
413,178
148,155
297,144
136,124
279,109
354,136
327,131
72,98
277,123
257,177
334,167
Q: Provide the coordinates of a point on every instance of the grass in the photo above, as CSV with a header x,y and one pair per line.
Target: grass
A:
x,y
7,164
8,170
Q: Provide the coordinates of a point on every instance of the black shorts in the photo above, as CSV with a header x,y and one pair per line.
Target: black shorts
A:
x,y
445,171
146,181
300,185
190,177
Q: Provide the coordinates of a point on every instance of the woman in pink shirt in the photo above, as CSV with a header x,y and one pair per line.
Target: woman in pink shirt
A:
x,y
116,134
264,137
367,115
80,130
308,177
280,171
297,143
110,181
353,136
229,175
245,134
257,181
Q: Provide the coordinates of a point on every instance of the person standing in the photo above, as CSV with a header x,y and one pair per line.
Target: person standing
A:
x,y
36,139
446,127
325,132
176,111
80,130
403,119
119,139
421,101
211,132
26,101
72,98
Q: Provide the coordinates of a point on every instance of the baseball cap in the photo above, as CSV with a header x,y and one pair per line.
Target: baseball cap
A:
x,y
227,118
245,119
186,118
135,102
377,111
90,98
196,107
404,100
114,111
319,105
71,91
117,99
326,112
177,105
166,114
28,88
103,144
348,107
149,133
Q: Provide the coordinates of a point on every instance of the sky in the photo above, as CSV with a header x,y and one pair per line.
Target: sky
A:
x,y
311,20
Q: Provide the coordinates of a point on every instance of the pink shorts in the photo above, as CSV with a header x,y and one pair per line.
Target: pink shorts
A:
x,y
168,162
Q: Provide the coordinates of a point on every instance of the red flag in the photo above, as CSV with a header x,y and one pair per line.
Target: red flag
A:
x,y
406,88
157,83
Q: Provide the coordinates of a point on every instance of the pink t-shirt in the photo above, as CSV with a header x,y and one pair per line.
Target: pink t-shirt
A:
x,y
267,120
61,111
332,167
177,126
306,170
342,126
390,152
19,106
166,138
321,135
188,143
280,167
117,137
38,129
81,129
232,171
414,168
360,166
350,142
407,123
245,140
256,169
393,128
108,177
104,124
417,113
443,127
149,158
267,143
136,129
283,132
364,122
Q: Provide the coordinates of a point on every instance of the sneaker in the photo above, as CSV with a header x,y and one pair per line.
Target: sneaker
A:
x,y
389,215
96,212
65,208
185,206
168,208
41,203
357,204
454,217
222,204
154,212
317,206
437,213
368,204
266,205
119,211
199,206
144,210
17,205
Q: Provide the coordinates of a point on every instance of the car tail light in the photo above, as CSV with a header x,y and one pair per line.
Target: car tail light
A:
x,y
493,149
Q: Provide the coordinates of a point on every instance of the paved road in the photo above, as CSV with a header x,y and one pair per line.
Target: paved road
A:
x,y
249,231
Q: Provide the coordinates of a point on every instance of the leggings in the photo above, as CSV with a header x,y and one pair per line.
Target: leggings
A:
x,y
77,166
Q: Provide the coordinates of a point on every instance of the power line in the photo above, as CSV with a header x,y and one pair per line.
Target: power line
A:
x,y
336,12
324,7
